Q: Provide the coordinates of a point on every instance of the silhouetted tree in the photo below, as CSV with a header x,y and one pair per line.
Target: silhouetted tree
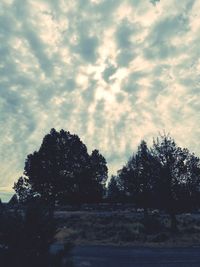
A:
x,y
179,177
146,176
23,190
13,201
63,171
190,184
165,177
127,180
99,167
113,191
138,177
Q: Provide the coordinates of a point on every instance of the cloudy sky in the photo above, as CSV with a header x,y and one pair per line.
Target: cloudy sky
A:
x,y
111,71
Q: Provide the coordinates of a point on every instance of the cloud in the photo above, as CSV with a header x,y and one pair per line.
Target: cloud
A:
x,y
108,72
161,37
87,47
123,35
112,72
154,2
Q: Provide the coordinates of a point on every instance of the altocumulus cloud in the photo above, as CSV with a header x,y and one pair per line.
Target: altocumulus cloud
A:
x,y
111,71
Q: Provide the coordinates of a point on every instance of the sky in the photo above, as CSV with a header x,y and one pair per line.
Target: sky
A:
x,y
114,72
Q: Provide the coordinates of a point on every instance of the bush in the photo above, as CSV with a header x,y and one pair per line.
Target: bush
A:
x,y
152,225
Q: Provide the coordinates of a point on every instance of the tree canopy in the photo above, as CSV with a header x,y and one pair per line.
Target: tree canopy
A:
x,y
164,176
62,171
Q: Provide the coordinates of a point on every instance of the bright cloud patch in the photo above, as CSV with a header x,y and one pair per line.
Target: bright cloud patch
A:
x,y
111,72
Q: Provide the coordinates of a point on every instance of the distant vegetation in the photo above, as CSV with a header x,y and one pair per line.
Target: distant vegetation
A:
x,y
164,176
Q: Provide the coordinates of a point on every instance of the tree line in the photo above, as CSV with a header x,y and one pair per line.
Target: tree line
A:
x,y
164,176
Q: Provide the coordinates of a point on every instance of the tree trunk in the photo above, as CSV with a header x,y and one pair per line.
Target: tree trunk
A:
x,y
174,228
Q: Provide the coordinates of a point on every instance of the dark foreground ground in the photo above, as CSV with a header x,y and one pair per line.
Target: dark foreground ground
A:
x,y
109,256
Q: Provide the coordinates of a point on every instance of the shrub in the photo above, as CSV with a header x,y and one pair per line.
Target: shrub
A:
x,y
152,225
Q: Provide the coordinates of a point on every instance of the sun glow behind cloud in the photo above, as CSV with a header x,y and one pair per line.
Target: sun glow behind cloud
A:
x,y
111,72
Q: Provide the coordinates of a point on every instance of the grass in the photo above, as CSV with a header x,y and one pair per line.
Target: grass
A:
x,y
126,228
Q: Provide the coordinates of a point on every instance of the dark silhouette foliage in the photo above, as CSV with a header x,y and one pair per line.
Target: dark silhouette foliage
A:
x,y
179,178
62,171
23,190
113,191
26,237
138,177
13,202
165,177
145,176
